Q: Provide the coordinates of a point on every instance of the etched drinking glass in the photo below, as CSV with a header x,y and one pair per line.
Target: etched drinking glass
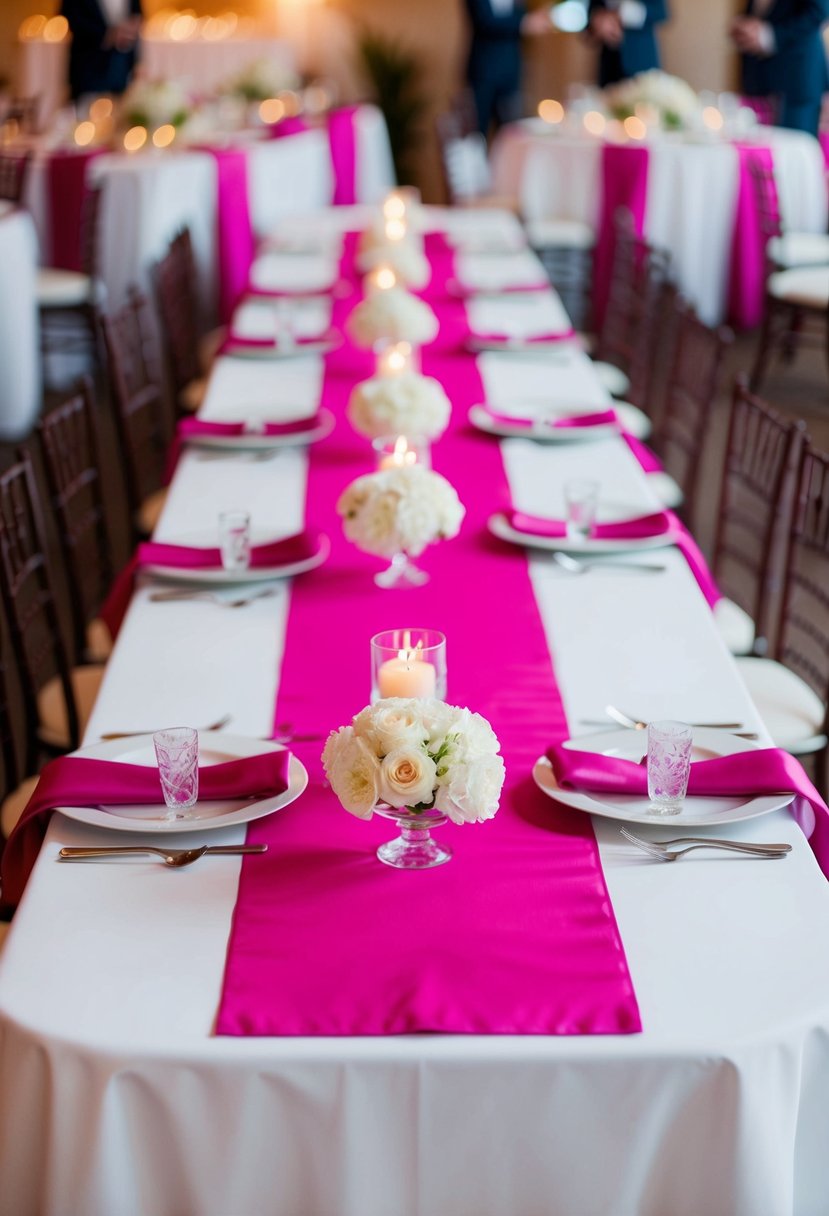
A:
x,y
177,753
234,539
669,765
581,498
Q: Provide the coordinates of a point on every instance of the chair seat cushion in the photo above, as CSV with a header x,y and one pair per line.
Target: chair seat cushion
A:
x,y
633,419
666,489
209,347
4,929
192,395
51,705
63,288
98,641
800,249
735,627
808,286
792,713
15,804
149,512
612,378
559,234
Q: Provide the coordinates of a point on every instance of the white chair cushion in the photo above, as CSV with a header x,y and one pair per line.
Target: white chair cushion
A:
x,y
467,166
792,713
800,249
807,286
632,419
735,627
564,234
612,378
666,490
63,288
51,706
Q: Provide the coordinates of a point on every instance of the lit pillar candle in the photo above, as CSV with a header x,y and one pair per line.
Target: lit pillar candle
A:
x,y
395,230
396,360
394,207
409,675
400,458
381,279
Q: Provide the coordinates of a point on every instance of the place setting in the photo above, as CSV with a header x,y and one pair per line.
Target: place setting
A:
x,y
516,323
280,329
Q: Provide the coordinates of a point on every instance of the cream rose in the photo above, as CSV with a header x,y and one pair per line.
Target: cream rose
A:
x,y
353,771
407,777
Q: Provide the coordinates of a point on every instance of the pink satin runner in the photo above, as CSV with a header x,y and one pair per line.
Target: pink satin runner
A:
x,y
294,124
68,187
747,268
342,138
624,178
236,246
824,144
769,770
78,781
516,934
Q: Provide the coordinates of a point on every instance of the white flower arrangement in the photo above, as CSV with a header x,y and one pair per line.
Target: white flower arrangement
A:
x,y
673,100
392,315
154,103
261,79
400,510
410,264
420,754
408,404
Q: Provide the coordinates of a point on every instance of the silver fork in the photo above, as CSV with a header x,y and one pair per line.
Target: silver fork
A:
x,y
572,566
171,597
661,852
625,720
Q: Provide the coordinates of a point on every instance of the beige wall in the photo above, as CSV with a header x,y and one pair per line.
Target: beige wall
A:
x,y
693,43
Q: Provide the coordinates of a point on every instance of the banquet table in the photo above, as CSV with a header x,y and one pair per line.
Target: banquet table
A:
x,y
117,1095
20,388
690,205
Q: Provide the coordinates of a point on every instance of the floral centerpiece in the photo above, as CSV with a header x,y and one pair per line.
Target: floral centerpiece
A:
x,y
153,104
419,762
396,513
392,315
261,80
410,264
408,404
671,99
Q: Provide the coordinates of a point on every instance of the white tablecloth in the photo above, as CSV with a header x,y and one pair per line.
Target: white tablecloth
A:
x,y
204,64
691,196
116,1098
20,386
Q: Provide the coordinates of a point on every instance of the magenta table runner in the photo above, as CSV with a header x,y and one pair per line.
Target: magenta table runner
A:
x,y
342,138
747,270
516,935
66,176
624,179
234,230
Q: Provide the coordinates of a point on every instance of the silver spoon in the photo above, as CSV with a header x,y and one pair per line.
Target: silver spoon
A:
x,y
175,858
132,734
572,566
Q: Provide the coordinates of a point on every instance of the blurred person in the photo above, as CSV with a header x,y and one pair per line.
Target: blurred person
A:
x,y
494,64
625,31
104,44
783,55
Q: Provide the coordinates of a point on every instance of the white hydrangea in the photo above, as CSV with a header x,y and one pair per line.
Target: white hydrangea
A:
x,y
261,79
400,510
392,315
673,99
410,264
421,754
154,103
408,404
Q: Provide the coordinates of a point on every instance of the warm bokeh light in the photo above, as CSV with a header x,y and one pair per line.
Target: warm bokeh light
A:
x,y
84,133
594,122
32,27
56,29
712,118
550,110
135,138
394,206
183,27
383,278
396,360
635,128
101,109
272,110
291,101
395,230
164,135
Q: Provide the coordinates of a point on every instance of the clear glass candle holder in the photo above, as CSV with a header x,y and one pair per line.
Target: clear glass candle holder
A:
x,y
177,754
399,451
234,540
669,765
408,663
581,500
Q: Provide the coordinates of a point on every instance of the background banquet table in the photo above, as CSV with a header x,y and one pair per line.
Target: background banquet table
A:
x,y
116,1094
691,200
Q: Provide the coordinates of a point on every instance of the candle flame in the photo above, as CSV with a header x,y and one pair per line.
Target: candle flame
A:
x,y
395,230
394,208
410,654
384,278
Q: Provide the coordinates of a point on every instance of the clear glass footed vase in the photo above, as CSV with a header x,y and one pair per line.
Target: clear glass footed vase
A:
x,y
401,573
414,848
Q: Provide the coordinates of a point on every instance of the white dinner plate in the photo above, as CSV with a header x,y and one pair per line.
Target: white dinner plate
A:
x,y
227,578
697,812
251,441
214,748
482,420
500,526
319,346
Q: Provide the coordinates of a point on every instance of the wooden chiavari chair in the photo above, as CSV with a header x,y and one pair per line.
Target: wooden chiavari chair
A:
x,y
616,342
13,169
178,309
70,300
759,487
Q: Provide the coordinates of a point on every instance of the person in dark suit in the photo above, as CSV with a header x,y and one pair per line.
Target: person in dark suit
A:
x,y
104,44
494,65
625,31
783,55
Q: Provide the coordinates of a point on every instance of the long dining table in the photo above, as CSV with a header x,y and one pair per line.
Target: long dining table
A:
x,y
121,1091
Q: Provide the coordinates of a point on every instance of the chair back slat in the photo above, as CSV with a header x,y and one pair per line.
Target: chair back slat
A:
x,y
623,310
13,170
656,298
178,307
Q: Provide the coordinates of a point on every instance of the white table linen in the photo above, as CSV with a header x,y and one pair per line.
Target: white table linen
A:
x,y
115,1097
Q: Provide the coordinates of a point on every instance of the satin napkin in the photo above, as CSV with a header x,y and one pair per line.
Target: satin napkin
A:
x,y
240,342
599,418
283,552
562,335
745,774
191,428
79,781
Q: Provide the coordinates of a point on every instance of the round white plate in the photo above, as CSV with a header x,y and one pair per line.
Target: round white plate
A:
x,y
482,420
697,812
254,442
214,748
320,347
500,526
262,574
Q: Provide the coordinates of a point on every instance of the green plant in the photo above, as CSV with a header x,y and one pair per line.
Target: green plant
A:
x,y
395,75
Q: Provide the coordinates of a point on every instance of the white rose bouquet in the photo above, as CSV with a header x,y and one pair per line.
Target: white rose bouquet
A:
x,y
673,99
400,510
261,79
408,404
410,264
420,754
153,103
392,315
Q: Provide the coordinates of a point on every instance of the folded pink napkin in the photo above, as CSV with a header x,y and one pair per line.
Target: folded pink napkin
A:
x,y
284,552
561,335
289,293
240,342
599,418
77,781
766,771
459,290
193,427
660,523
